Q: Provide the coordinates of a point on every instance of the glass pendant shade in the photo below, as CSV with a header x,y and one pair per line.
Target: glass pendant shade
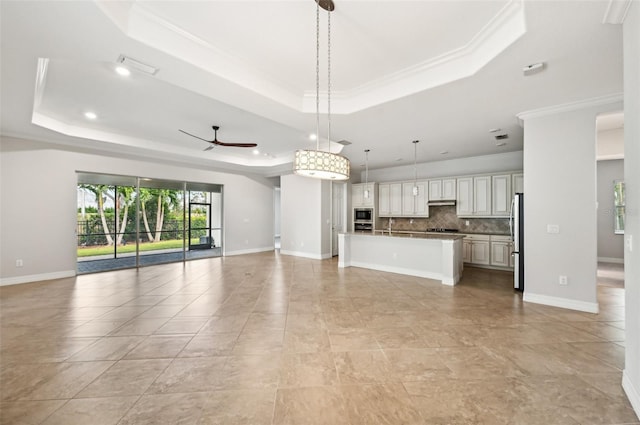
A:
x,y
321,165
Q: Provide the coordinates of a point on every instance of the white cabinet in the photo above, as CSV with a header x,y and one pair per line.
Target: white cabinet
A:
x,y
466,250
517,183
397,200
442,190
414,204
479,251
464,201
358,198
474,196
500,251
501,195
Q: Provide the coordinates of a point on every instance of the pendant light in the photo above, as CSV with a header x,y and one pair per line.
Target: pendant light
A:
x,y
415,167
366,173
317,163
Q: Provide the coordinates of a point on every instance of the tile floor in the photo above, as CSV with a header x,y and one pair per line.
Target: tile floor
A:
x,y
271,339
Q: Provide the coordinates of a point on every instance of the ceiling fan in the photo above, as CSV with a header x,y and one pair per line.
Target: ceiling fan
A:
x,y
215,142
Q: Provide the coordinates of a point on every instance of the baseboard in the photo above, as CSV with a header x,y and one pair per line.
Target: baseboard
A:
x,y
305,254
633,394
561,302
36,277
248,251
611,260
399,270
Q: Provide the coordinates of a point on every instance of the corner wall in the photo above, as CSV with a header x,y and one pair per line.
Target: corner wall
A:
x,y
560,189
38,208
631,37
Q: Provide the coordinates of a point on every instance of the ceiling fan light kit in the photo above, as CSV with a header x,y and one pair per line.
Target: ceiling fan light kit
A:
x,y
215,142
316,163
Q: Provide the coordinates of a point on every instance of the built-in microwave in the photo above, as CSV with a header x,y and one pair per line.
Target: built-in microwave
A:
x,y
363,214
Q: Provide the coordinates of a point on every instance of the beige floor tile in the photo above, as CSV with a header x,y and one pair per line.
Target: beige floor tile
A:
x,y
182,326
166,409
238,407
416,364
380,404
139,326
94,411
250,372
159,347
309,341
27,412
190,375
307,370
363,367
264,342
310,406
108,348
126,377
210,345
225,324
352,339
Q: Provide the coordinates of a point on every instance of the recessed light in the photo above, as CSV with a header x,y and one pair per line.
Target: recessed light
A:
x,y
121,70
256,152
398,159
90,115
501,143
312,137
444,152
495,130
140,66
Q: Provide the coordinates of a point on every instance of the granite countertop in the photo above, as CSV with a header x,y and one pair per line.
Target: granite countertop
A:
x,y
410,234
486,233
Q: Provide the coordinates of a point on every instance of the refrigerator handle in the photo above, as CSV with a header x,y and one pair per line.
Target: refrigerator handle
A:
x,y
513,200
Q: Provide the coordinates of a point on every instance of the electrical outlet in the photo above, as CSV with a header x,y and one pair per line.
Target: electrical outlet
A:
x,y
19,263
563,280
466,223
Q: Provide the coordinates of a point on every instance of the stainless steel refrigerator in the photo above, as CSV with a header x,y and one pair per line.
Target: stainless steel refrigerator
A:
x,y
516,224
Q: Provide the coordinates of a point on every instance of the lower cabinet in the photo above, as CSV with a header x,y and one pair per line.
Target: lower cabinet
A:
x,y
487,250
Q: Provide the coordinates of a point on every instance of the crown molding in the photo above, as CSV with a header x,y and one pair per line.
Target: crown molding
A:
x,y
571,106
616,11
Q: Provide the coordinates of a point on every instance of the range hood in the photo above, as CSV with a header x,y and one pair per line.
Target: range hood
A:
x,y
442,203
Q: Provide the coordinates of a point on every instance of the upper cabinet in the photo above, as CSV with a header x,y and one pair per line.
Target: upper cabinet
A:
x,y
464,201
414,204
442,190
501,195
474,196
360,197
517,183
397,200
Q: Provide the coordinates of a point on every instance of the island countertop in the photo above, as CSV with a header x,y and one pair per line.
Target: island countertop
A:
x,y
410,234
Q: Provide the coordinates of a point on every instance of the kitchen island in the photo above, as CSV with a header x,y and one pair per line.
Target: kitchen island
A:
x,y
434,256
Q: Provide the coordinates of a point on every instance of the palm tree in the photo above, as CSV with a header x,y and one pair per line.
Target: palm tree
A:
x,y
165,200
101,192
145,195
123,201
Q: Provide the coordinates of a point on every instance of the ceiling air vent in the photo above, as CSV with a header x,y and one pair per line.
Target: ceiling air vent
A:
x,y
344,142
140,66
501,136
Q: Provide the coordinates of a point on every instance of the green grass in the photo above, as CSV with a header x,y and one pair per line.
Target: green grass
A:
x,y
131,247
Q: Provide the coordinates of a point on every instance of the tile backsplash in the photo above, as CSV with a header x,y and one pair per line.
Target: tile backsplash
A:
x,y
445,216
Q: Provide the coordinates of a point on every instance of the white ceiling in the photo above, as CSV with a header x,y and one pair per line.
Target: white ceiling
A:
x,y
439,71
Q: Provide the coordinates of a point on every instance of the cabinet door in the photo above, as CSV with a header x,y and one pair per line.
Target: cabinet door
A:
x,y
395,199
466,251
421,208
435,190
480,252
383,200
500,254
464,199
449,189
501,195
357,195
482,195
518,183
408,200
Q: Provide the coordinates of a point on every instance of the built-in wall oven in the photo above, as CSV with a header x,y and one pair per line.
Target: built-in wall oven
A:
x,y
363,219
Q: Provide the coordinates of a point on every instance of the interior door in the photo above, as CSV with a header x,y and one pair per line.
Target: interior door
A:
x,y
338,214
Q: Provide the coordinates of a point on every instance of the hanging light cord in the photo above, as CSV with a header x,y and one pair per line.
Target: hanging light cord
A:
x,y
329,79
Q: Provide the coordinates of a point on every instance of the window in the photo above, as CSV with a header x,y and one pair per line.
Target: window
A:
x,y
618,206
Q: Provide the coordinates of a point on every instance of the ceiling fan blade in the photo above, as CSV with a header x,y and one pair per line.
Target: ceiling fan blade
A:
x,y
208,148
235,145
193,135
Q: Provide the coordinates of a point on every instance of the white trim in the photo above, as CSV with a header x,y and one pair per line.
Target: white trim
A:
x,y
304,254
561,302
611,260
633,394
399,270
248,251
36,277
616,11
610,157
571,106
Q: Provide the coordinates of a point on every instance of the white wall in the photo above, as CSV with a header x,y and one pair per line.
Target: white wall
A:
x,y
610,245
611,144
560,189
631,37
305,207
38,208
508,161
